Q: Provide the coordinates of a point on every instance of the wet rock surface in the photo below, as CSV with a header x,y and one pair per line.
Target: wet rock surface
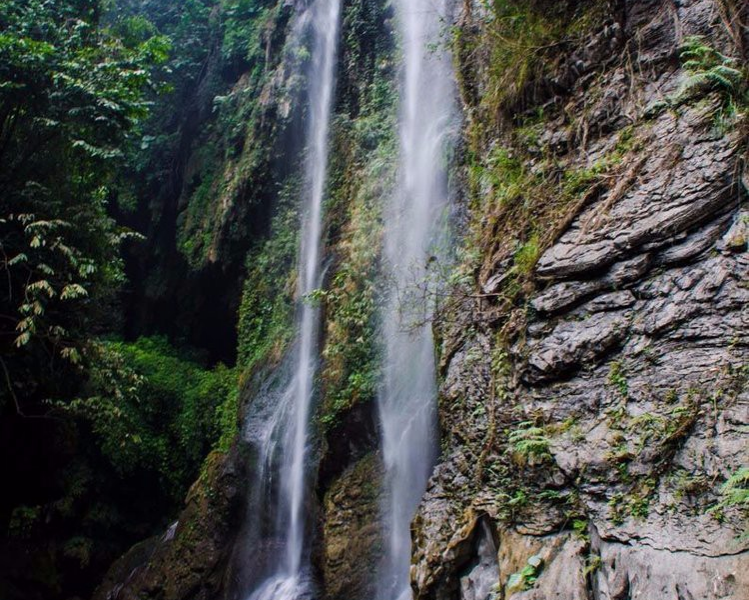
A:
x,y
190,560
627,369
351,532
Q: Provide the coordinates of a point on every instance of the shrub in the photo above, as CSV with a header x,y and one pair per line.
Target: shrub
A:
x,y
157,409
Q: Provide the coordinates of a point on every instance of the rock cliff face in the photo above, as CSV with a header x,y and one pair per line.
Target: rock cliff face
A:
x,y
590,425
191,559
593,352
212,191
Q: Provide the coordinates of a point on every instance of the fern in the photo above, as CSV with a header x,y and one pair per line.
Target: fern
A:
x,y
736,489
709,71
529,440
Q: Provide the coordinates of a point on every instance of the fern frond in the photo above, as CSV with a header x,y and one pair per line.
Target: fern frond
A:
x,y
728,72
719,81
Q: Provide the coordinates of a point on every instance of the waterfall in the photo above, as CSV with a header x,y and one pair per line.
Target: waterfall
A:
x,y
278,426
407,398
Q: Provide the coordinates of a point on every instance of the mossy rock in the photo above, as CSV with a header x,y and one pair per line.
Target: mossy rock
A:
x,y
189,562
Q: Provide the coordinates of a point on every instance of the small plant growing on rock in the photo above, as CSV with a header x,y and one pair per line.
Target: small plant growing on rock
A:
x,y
529,442
526,578
709,70
618,379
690,486
616,504
736,489
734,494
592,563
639,507
527,256
580,527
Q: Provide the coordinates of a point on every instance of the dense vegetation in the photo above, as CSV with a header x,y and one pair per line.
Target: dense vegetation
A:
x,y
149,187
122,122
99,437
72,91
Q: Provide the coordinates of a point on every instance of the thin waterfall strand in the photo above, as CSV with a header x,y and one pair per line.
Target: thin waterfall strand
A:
x,y
279,426
408,393
325,25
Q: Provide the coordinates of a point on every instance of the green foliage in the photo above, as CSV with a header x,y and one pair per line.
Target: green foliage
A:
x,y
23,519
580,527
234,156
527,256
521,188
224,51
736,489
362,173
350,353
635,502
524,40
529,441
615,505
505,174
242,22
154,408
187,25
265,314
132,443
526,578
71,91
618,378
593,563
227,414
734,493
690,485
518,204
639,507
709,70
85,132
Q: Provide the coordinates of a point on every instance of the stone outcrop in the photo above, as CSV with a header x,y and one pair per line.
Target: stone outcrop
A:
x,y
626,366
351,533
191,559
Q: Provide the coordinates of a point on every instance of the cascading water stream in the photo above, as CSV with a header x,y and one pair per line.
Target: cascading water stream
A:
x,y
278,426
407,398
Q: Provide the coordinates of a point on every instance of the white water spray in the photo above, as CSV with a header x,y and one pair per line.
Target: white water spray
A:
x,y
407,399
278,427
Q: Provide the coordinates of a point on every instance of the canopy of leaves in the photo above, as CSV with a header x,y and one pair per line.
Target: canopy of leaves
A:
x,y
71,91
156,409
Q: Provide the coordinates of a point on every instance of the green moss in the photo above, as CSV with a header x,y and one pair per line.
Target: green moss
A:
x,y
524,41
228,420
266,312
527,255
362,174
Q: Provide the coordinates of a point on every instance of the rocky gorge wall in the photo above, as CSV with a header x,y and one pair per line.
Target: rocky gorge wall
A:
x,y
593,346
594,396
